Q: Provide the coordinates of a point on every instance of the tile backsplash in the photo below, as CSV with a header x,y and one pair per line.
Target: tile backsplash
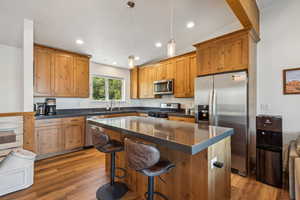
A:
x,y
69,103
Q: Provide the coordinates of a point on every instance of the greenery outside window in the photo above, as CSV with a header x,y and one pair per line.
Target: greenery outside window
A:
x,y
106,88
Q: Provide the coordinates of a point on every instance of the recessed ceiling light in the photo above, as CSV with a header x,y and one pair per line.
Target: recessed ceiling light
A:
x,y
190,24
114,63
158,44
136,58
79,41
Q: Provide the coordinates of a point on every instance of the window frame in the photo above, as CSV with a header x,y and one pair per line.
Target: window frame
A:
x,y
106,78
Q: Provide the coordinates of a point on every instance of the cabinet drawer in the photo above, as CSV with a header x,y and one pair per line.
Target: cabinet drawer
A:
x,y
73,120
47,122
182,119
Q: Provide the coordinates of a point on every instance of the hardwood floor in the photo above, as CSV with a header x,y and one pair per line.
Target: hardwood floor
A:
x,y
77,176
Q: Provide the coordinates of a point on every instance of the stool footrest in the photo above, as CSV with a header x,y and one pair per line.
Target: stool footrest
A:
x,y
124,173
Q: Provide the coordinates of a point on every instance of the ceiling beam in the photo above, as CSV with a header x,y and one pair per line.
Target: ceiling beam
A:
x,y
247,12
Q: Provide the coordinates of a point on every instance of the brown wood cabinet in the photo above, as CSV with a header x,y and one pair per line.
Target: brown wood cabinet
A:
x,y
74,135
44,60
134,86
147,75
60,74
63,75
181,69
58,135
50,139
82,75
224,54
182,119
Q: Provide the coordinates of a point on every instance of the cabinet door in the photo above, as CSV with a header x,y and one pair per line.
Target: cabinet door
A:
x,y
205,59
181,77
170,69
49,139
134,83
143,82
151,71
63,75
161,71
43,62
73,135
235,54
82,77
193,74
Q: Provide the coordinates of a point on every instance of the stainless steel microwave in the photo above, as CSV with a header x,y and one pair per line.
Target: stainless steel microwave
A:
x,y
163,87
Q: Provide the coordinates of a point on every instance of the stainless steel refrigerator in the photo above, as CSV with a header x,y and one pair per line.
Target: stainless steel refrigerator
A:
x,y
222,100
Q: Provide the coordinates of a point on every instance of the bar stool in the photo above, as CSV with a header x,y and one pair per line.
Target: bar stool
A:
x,y
146,160
102,142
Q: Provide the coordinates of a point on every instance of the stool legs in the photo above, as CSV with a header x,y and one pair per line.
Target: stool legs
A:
x,y
150,188
112,167
113,190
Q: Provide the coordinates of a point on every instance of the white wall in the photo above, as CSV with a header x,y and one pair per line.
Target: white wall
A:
x,y
279,49
11,88
28,66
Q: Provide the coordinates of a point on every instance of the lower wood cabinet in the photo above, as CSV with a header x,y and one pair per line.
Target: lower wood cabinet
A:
x,y
73,135
58,135
182,119
49,139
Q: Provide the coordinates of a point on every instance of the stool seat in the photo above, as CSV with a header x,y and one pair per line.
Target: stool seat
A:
x,y
159,168
111,146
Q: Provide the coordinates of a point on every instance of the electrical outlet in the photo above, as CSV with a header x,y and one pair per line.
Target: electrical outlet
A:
x,y
215,159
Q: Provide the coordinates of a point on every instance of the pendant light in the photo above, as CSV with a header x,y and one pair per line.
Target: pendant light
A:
x,y
131,58
171,43
131,61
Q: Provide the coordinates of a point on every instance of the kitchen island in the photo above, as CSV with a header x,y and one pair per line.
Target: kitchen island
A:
x,y
193,148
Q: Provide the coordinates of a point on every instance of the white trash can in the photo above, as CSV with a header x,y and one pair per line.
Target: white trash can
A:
x,y
16,171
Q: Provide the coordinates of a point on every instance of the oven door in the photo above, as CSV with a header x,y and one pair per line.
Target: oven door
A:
x,y
163,87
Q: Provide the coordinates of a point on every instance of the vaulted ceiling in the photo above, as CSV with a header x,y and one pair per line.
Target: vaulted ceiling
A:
x,y
109,31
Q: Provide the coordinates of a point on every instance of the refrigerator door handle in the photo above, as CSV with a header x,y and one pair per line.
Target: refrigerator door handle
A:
x,y
210,107
215,117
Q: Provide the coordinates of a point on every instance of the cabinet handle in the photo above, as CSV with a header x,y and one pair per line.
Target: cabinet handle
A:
x,y
218,164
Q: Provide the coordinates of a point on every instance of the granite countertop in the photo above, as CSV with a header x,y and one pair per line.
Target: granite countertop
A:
x,y
187,137
100,111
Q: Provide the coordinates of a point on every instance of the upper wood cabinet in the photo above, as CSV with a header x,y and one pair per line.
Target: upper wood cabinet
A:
x,y
181,84
181,69
224,54
147,75
60,74
186,72
82,76
44,59
134,85
63,75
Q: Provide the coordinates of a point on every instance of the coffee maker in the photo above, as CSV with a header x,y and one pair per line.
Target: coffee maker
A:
x,y
50,106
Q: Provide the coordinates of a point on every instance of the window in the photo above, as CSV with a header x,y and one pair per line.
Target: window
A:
x,y
105,89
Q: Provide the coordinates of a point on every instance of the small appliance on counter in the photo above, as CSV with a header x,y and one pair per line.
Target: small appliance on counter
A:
x,y
269,150
163,87
40,108
50,106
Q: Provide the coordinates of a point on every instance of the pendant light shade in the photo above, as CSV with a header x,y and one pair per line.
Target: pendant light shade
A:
x,y
171,48
131,61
